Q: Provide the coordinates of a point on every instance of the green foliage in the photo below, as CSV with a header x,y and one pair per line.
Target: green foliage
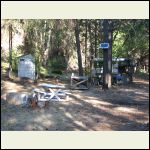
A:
x,y
43,71
87,71
14,61
118,50
57,72
58,63
132,39
57,38
4,66
142,74
98,64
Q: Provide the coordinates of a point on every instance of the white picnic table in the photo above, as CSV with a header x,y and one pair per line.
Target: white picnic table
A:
x,y
55,92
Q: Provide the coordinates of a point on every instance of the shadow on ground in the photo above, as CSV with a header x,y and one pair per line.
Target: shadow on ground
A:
x,y
123,108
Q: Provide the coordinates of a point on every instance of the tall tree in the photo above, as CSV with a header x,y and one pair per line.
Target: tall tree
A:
x,y
77,35
91,43
107,58
95,32
10,48
86,31
110,40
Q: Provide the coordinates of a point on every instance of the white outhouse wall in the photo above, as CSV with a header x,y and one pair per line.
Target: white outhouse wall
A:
x,y
26,67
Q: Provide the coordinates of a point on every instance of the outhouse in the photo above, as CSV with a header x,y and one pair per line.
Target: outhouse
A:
x,y
26,66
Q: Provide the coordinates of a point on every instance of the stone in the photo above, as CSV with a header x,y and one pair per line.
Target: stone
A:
x,y
17,98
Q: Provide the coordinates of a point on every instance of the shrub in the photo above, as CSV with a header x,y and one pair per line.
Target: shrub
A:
x,y
58,63
43,71
57,72
14,61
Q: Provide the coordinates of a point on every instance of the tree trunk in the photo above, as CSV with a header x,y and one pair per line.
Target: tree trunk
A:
x,y
95,38
107,54
10,50
49,45
86,44
110,38
91,44
46,32
77,33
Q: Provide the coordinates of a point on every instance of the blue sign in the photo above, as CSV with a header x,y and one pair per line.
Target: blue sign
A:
x,y
104,45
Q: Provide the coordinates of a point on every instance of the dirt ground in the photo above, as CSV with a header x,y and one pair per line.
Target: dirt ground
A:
x,y
121,108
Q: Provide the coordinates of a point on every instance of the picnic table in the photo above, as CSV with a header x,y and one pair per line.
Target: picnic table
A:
x,y
54,92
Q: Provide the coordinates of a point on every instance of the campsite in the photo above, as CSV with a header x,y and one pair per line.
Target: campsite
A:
x,y
75,75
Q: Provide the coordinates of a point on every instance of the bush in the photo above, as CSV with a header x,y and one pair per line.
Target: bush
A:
x,y
141,74
14,61
88,71
58,63
43,71
57,72
15,64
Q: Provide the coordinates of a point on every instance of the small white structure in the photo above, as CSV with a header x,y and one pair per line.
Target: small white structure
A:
x,y
26,66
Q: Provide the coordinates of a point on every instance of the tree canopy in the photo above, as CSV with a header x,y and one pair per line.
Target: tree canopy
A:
x,y
59,44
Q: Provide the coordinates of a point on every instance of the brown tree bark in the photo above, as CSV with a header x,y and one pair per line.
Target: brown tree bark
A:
x,y
107,54
91,44
95,31
77,35
10,50
86,29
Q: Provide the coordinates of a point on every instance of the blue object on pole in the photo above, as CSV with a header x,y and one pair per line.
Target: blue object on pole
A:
x,y
104,45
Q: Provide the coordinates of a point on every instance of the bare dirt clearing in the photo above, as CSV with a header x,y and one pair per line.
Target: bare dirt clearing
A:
x,y
122,108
